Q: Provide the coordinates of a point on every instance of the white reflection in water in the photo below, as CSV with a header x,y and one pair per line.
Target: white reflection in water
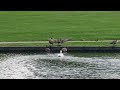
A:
x,y
52,67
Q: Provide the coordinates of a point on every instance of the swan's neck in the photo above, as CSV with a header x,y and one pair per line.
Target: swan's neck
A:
x,y
60,51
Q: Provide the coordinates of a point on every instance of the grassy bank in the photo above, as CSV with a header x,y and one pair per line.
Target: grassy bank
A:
x,y
77,25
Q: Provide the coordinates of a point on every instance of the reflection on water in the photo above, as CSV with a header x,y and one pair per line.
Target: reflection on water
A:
x,y
49,66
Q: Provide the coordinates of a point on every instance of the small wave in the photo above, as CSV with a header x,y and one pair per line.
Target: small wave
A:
x,y
18,66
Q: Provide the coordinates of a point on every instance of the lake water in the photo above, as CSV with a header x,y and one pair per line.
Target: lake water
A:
x,y
49,66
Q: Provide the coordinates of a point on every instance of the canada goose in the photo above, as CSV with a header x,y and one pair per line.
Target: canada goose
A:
x,y
58,41
61,41
47,50
114,42
64,50
64,40
51,41
82,39
60,54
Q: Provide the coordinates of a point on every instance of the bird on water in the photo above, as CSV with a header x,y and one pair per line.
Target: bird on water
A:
x,y
60,54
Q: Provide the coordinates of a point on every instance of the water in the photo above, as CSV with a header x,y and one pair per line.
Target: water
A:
x,y
49,66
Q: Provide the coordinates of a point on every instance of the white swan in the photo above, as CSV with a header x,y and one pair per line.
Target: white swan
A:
x,y
60,54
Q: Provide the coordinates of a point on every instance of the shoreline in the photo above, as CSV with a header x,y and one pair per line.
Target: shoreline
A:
x,y
57,49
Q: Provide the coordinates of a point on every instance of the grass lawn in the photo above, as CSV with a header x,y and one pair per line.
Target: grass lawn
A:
x,y
76,25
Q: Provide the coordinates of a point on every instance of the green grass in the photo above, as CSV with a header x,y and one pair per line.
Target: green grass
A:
x,y
41,25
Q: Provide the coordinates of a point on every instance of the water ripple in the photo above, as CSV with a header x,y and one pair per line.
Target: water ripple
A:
x,y
42,66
